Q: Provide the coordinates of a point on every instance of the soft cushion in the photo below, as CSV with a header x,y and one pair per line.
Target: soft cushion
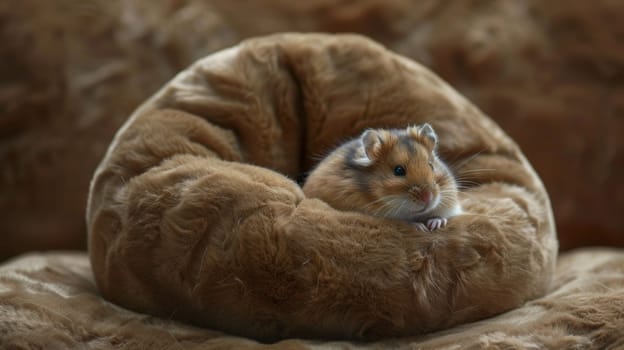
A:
x,y
50,301
194,213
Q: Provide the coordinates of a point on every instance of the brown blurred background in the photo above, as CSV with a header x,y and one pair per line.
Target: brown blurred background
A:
x,y
551,73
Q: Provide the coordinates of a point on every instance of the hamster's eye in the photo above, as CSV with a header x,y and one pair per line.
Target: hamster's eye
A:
x,y
431,165
399,170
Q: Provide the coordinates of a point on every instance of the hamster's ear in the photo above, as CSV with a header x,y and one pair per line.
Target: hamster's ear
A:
x,y
371,144
428,135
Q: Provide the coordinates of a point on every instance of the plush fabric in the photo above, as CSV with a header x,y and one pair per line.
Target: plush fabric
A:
x,y
50,301
194,214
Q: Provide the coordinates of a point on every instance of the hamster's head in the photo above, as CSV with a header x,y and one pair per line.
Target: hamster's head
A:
x,y
401,172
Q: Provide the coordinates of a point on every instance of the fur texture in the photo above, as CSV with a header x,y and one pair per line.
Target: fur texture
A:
x,y
193,214
50,301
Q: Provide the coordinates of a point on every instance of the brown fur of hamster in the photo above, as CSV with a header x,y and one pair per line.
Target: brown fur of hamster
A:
x,y
390,173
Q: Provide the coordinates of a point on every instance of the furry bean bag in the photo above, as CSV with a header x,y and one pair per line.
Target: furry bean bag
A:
x,y
50,301
194,212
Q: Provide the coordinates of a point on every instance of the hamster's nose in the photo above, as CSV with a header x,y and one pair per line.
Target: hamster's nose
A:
x,y
426,196
421,193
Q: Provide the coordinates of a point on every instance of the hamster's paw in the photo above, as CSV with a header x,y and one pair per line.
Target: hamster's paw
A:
x,y
436,223
420,226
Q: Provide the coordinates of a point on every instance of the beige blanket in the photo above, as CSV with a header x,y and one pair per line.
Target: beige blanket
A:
x,y
50,301
194,214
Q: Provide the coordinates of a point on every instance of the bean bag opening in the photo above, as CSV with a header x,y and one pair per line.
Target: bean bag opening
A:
x,y
195,214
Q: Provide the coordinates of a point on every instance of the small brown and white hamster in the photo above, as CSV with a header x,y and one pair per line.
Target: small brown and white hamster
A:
x,y
390,173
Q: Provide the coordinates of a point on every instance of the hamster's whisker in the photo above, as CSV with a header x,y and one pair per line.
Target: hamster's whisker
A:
x,y
406,203
458,163
467,184
461,177
397,207
446,202
390,206
474,171
380,209
384,210
376,202
447,195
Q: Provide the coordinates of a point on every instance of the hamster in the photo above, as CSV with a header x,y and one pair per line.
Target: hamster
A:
x,y
389,173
